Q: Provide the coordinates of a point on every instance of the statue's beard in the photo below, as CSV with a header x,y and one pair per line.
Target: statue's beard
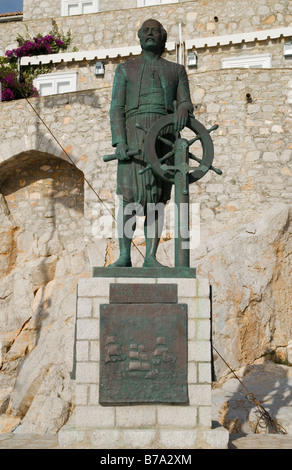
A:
x,y
151,45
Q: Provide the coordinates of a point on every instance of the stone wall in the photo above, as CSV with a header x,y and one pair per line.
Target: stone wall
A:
x,y
107,29
103,30
252,145
208,60
33,9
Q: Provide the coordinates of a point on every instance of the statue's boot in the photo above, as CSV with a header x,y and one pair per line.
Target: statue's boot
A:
x,y
124,260
152,244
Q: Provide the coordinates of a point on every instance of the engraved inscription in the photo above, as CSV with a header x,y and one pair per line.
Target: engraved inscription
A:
x,y
143,293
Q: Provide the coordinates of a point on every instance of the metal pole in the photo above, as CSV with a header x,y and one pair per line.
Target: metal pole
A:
x,y
18,69
181,199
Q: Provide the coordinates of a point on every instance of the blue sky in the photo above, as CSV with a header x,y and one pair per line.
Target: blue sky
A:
x,y
10,5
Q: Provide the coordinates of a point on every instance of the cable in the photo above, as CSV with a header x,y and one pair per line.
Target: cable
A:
x,y
73,163
265,421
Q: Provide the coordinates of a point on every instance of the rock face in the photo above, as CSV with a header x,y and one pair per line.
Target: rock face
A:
x,y
250,272
270,384
39,269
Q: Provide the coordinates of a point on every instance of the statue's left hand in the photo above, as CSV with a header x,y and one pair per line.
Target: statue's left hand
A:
x,y
181,117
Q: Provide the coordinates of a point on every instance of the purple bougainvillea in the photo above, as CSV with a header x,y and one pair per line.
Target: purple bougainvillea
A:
x,y
14,89
39,46
7,95
17,84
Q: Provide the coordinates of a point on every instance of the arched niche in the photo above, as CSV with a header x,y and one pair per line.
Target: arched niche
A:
x,y
43,193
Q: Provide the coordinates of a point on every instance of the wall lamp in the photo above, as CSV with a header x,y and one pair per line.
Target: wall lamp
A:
x,y
99,68
192,59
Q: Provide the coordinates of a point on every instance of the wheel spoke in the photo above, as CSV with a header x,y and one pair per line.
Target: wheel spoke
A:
x,y
194,140
165,141
166,156
193,157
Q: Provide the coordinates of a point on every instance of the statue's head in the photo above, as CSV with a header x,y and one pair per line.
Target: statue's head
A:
x,y
152,36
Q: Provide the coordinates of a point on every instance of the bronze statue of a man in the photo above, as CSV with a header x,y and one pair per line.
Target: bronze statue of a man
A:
x,y
144,89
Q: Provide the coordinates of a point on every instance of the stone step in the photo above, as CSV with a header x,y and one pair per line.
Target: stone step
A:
x,y
236,441
260,441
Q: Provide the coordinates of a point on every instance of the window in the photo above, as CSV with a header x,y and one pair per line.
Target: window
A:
x,y
248,62
147,3
55,83
78,7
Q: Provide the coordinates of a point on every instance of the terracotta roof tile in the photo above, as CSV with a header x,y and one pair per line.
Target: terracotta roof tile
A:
x,y
15,13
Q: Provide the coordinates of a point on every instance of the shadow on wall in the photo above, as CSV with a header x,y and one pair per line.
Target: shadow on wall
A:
x,y
267,384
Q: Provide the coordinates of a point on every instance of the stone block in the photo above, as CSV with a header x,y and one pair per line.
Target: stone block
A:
x,y
192,373
68,436
94,287
137,280
270,157
200,394
217,438
178,416
84,307
181,439
204,416
203,288
97,302
192,329
204,375
105,439
81,394
140,439
93,394
82,350
94,352
199,351
202,307
187,287
87,329
203,329
95,416
87,372
135,416
197,308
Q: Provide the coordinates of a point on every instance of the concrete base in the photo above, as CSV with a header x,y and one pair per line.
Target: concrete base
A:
x,y
145,426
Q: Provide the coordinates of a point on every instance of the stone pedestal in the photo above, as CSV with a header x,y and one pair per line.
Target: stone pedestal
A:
x,y
146,425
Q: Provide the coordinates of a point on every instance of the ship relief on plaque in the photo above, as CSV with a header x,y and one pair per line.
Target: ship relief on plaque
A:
x,y
143,353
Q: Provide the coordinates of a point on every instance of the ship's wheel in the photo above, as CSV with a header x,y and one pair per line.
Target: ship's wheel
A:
x,y
159,163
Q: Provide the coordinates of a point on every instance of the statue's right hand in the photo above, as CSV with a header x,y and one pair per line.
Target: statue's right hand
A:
x,y
121,152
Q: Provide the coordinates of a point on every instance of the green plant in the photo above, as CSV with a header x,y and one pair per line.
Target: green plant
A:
x,y
13,86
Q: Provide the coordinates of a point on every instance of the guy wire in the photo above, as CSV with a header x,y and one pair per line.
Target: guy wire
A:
x,y
264,417
73,163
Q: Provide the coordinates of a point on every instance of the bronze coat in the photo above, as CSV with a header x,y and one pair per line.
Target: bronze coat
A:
x,y
126,91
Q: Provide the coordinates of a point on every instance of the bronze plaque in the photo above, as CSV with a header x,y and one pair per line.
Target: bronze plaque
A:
x,y
143,354
164,271
143,293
